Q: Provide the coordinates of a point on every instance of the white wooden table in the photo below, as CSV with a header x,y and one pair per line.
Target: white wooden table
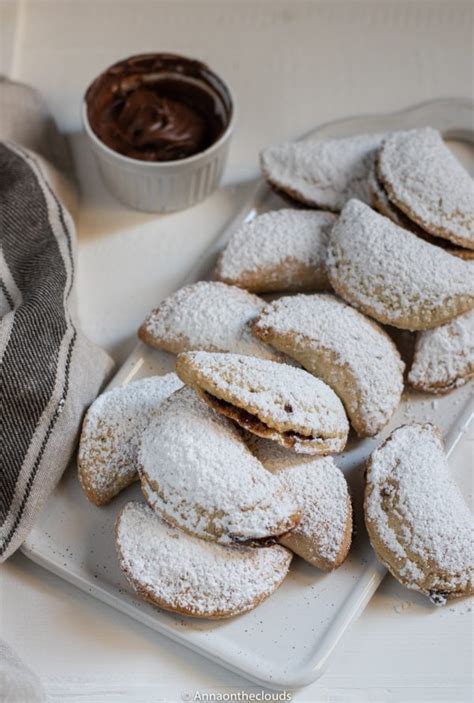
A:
x,y
292,66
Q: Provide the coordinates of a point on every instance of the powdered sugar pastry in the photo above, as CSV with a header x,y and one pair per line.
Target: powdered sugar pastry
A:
x,y
323,535
322,173
200,476
342,347
190,576
418,522
206,315
425,180
444,356
277,401
281,250
392,275
111,432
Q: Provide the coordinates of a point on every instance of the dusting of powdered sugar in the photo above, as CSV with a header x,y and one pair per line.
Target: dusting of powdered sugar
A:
x,y
393,275
112,429
190,575
281,396
341,346
427,182
444,356
379,198
320,488
417,512
206,315
272,245
204,478
322,173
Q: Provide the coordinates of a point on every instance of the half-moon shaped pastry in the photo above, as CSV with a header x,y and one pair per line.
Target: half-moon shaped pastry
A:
x,y
271,400
418,522
323,535
283,250
393,275
186,575
444,356
107,459
322,173
199,475
206,315
345,349
425,180
380,201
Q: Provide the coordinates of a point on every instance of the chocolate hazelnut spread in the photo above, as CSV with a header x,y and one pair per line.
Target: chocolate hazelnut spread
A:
x,y
158,107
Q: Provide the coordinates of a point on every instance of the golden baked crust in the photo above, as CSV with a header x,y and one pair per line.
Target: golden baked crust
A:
x,y
273,400
323,536
465,254
417,520
189,576
392,275
281,250
380,202
345,349
305,546
322,173
444,357
424,180
207,315
107,456
199,475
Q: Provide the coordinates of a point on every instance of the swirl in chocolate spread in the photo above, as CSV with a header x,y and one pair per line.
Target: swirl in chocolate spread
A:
x,y
158,107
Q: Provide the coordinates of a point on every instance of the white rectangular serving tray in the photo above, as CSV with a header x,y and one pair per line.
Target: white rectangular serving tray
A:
x,y
286,641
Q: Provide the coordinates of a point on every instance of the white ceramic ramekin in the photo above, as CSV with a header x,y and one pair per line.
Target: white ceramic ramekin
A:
x,y
162,186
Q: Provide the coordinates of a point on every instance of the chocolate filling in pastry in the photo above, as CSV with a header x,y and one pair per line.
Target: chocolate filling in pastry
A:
x,y
251,422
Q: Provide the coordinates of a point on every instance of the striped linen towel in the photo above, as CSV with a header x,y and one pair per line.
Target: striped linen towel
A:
x,y
49,371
